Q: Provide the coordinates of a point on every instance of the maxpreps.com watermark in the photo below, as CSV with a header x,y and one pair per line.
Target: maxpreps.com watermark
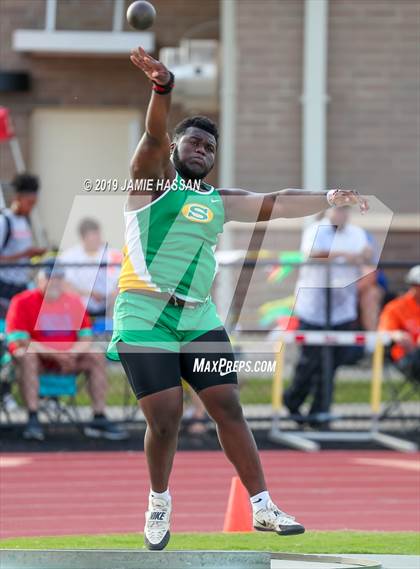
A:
x,y
143,185
222,366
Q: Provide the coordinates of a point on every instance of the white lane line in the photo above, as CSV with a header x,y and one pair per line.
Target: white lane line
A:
x,y
13,462
390,463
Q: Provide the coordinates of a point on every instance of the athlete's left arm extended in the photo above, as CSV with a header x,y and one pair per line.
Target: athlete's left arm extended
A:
x,y
242,205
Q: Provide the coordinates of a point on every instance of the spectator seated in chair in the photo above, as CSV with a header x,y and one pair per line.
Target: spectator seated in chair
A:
x,y
48,330
401,317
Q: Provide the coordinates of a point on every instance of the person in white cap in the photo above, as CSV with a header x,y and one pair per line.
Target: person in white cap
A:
x,y
401,317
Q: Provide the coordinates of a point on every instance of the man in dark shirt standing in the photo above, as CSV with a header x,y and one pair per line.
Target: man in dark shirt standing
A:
x,y
16,241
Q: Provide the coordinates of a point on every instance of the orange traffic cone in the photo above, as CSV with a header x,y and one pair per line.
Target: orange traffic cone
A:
x,y
238,514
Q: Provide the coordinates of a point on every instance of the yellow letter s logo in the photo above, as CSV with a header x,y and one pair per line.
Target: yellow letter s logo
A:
x,y
197,212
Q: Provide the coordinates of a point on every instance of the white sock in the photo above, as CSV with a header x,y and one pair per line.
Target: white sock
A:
x,y
260,500
163,496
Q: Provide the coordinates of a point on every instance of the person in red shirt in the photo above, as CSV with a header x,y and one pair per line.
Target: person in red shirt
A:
x,y
47,329
401,317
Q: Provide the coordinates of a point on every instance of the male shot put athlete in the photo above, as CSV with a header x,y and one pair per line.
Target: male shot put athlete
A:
x,y
164,314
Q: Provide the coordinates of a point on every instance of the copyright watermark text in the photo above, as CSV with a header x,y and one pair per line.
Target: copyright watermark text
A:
x,y
113,185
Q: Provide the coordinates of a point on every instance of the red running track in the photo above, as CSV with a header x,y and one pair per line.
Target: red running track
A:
x,y
97,493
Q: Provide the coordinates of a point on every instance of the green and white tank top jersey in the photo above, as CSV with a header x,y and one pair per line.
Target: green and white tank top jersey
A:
x,y
170,243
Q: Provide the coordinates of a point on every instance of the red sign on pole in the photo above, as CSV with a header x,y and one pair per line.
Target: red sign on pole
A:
x,y
6,128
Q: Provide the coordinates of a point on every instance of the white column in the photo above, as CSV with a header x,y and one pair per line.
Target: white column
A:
x,y
227,144
314,97
228,93
50,14
118,16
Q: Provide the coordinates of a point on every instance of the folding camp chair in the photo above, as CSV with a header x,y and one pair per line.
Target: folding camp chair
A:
x,y
53,387
400,391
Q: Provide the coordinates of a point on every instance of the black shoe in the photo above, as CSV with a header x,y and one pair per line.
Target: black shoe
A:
x,y
294,413
33,430
102,428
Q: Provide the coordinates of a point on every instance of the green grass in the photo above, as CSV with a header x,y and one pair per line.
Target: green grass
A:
x,y
407,543
258,391
255,391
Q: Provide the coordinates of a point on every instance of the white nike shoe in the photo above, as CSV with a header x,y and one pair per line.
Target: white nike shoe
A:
x,y
271,518
156,529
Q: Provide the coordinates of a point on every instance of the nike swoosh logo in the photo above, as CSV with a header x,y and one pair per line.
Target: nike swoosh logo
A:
x,y
214,201
256,501
222,373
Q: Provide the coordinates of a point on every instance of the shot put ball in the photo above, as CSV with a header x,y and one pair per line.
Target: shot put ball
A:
x,y
141,15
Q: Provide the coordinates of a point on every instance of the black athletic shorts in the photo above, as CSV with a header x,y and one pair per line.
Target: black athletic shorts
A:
x,y
206,361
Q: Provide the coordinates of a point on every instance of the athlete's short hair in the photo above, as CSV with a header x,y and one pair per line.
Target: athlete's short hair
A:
x,y
198,121
88,224
25,184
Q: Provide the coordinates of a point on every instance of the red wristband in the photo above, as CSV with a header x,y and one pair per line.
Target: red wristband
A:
x,y
164,89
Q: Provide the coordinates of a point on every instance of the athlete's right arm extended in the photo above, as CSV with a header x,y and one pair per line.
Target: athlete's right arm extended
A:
x,y
151,156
